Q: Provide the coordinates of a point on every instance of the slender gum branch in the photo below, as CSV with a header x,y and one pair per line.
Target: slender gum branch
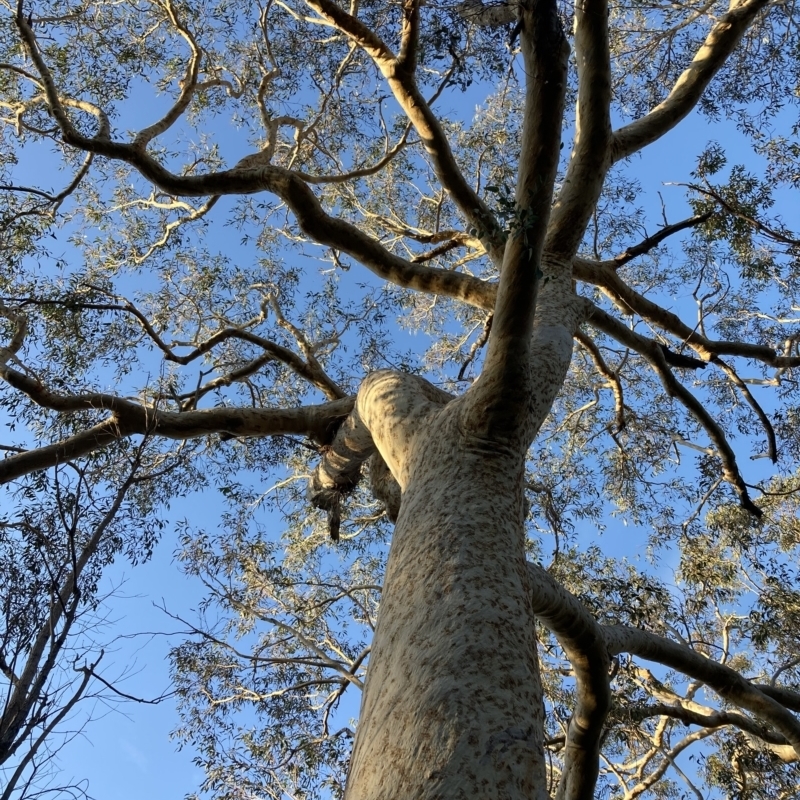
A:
x,y
769,431
603,275
590,159
129,418
326,230
709,59
647,244
674,388
611,377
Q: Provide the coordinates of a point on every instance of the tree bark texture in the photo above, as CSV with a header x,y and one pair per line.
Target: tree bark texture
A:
x,y
453,704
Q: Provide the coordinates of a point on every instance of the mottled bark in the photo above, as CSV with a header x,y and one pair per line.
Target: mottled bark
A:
x,y
452,706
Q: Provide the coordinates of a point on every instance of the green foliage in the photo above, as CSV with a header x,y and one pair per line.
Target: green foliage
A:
x,y
181,303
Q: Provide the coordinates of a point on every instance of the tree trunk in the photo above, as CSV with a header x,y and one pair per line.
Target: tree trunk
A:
x,y
453,702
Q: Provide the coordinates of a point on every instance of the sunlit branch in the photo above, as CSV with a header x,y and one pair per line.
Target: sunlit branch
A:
x,y
731,686
709,59
613,379
312,219
171,227
506,370
590,158
693,714
129,417
188,84
584,645
477,345
55,102
667,760
786,697
726,682
403,85
341,668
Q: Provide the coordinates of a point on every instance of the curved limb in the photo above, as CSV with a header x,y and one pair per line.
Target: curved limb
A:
x,y
251,178
584,645
709,59
725,681
603,275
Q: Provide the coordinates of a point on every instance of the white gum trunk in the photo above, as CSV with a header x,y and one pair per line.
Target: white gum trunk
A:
x,y
452,706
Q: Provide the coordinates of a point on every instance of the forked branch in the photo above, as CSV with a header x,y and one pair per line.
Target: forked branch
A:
x,y
726,682
399,74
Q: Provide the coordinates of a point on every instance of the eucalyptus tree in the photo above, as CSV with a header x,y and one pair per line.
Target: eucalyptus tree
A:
x,y
258,203
58,534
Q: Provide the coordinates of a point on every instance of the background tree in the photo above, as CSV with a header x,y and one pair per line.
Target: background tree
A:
x,y
57,536
275,350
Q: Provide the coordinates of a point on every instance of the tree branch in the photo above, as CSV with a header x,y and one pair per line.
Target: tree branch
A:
x,y
692,714
251,178
584,645
709,59
403,85
727,683
590,159
766,230
504,384
651,351
129,417
769,431
647,244
612,377
602,275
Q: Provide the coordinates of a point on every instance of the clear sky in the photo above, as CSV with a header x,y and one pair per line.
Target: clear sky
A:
x,y
126,752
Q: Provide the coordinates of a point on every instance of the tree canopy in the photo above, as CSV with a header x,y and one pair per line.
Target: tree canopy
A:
x,y
283,252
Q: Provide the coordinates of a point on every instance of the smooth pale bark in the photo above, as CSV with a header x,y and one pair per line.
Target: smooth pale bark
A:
x,y
452,706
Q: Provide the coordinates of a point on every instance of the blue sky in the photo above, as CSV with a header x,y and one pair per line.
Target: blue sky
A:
x,y
125,753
